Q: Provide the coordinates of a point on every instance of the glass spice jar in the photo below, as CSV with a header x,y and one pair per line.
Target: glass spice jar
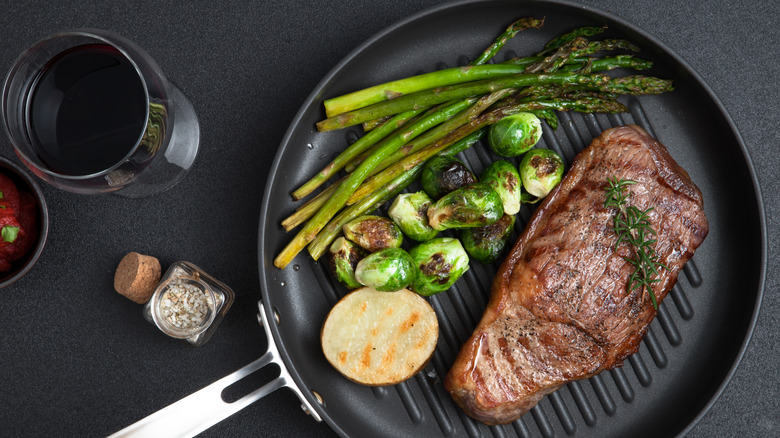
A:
x,y
188,303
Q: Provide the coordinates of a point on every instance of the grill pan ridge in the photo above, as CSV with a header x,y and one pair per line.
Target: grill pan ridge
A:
x,y
664,379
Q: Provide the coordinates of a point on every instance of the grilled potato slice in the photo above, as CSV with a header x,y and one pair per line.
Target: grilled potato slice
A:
x,y
380,338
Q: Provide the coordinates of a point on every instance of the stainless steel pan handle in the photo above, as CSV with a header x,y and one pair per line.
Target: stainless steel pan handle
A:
x,y
204,408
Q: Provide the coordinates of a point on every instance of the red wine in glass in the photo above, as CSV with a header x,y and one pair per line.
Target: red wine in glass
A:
x,y
87,110
90,112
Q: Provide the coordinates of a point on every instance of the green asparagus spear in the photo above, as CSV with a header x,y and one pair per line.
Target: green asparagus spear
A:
x,y
576,49
395,89
599,64
561,56
637,85
548,116
307,210
349,153
511,31
357,160
582,105
608,44
371,124
560,41
610,63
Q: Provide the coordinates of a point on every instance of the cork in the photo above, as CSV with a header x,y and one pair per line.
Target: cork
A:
x,y
137,277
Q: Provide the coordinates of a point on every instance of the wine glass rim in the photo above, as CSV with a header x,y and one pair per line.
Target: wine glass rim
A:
x,y
116,41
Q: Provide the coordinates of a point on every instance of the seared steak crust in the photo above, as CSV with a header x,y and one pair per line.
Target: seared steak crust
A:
x,y
560,309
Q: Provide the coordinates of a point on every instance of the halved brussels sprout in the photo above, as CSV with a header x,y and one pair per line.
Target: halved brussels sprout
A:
x,y
515,134
541,170
487,243
345,255
475,205
373,232
439,263
505,180
410,212
441,175
386,270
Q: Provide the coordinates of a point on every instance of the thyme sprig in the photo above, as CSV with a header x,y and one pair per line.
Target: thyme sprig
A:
x,y
632,226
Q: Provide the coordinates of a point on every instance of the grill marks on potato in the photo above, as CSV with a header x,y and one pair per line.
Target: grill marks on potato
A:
x,y
409,323
380,338
365,358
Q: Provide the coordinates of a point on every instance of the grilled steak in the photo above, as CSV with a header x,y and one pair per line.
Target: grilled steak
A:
x,y
560,309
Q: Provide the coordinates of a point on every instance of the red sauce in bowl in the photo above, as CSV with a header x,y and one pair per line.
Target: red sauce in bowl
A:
x,y
18,222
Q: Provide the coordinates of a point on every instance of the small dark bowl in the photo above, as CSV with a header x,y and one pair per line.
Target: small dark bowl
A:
x,y
25,182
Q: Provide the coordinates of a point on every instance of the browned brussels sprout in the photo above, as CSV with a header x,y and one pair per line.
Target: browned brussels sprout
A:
x,y
386,270
505,180
475,205
373,232
486,244
410,212
440,262
345,255
514,135
441,175
541,170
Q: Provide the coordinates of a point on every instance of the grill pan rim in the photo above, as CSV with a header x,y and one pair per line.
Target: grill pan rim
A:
x,y
265,258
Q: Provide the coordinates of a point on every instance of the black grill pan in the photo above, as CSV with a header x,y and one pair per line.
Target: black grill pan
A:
x,y
691,349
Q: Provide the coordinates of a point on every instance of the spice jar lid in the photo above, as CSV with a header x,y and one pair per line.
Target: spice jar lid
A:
x,y
183,307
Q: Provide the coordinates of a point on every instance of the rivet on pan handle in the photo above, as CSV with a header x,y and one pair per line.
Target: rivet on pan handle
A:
x,y
204,408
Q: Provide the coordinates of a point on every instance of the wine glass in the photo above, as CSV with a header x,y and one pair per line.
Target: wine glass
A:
x,y
90,112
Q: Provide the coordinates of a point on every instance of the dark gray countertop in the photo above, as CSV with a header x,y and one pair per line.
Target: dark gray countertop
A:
x,y
76,359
